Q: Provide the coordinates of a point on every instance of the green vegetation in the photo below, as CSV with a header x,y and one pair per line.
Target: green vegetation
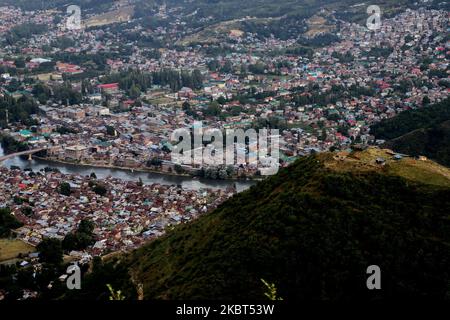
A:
x,y
65,189
7,222
313,229
10,145
66,94
106,273
115,295
19,110
50,251
271,293
134,81
432,142
81,238
411,120
24,31
99,189
424,131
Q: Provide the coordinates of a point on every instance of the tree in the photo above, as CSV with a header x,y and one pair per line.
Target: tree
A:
x,y
186,106
86,226
99,189
50,251
27,211
178,169
65,189
81,238
41,92
213,109
154,162
7,222
135,92
221,100
20,63
110,131
227,68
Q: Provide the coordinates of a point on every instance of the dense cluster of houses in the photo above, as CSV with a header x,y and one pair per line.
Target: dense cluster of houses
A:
x,y
125,216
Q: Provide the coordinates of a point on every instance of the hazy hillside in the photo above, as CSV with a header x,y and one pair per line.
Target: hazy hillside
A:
x,y
99,5
225,9
313,229
433,142
283,19
424,131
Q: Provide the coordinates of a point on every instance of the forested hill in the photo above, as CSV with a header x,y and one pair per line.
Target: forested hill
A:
x,y
411,120
424,131
221,9
312,230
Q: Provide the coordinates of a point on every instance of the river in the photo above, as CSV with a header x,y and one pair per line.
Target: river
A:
x,y
147,177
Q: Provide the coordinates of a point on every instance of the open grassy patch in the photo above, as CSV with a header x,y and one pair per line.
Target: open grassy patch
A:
x,y
11,248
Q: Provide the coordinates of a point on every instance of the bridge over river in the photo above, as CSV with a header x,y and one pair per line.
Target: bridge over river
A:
x,y
22,153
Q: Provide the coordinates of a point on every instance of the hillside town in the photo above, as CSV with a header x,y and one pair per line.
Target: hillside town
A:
x,y
125,214
112,95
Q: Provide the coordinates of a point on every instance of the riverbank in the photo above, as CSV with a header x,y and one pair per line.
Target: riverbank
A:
x,y
147,177
144,170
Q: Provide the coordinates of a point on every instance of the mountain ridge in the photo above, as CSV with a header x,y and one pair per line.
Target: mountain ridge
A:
x,y
312,229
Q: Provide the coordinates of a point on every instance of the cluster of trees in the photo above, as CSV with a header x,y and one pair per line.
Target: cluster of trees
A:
x,y
66,94
91,61
98,188
15,278
424,131
154,162
135,81
11,145
24,31
379,52
8,222
65,189
81,238
343,57
50,251
336,94
270,123
300,51
42,92
432,142
288,27
411,120
63,43
219,172
252,96
321,40
65,130
19,110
